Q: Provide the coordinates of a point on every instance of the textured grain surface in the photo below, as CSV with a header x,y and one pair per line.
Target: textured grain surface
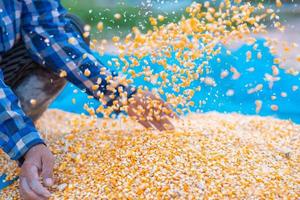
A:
x,y
209,155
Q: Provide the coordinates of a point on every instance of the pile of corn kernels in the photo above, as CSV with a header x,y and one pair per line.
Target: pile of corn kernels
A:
x,y
208,156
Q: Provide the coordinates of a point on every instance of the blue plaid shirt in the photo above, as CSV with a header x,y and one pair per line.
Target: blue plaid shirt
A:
x,y
46,33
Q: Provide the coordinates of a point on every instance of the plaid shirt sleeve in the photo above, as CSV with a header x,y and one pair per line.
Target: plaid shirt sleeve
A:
x,y
17,132
52,42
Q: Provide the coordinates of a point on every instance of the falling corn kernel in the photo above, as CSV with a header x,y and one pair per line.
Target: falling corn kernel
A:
x,y
275,70
86,34
72,40
277,61
33,102
230,93
116,39
274,107
95,87
278,3
87,28
117,16
257,88
161,18
63,74
87,72
259,55
100,26
248,55
283,94
258,106
295,88
153,21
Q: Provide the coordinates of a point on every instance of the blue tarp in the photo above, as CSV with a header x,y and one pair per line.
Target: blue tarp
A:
x,y
215,98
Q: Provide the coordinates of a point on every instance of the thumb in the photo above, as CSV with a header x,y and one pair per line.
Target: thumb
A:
x,y
47,170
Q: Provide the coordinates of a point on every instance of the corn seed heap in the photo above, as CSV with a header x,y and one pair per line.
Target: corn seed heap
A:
x,y
208,156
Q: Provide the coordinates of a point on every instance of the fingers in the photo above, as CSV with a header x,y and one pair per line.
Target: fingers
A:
x,y
25,191
158,125
47,170
151,111
30,174
145,124
163,124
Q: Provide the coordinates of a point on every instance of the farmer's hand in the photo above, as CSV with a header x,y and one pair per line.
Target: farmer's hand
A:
x,y
39,162
151,111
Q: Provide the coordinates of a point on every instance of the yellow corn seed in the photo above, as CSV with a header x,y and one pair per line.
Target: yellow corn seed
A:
x,y
278,3
161,18
33,102
100,26
87,72
63,74
274,107
117,16
72,40
116,39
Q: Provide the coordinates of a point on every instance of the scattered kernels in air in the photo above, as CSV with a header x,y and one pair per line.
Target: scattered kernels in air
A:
x,y
87,72
298,58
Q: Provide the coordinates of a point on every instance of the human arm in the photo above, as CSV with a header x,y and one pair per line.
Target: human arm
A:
x,y
47,36
19,138
55,44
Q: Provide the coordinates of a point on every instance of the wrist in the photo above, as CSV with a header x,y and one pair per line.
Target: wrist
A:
x,y
22,159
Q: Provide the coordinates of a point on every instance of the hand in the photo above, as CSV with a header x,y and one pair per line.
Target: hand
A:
x,y
39,162
151,111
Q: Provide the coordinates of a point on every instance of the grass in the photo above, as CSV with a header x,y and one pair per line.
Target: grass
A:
x,y
92,13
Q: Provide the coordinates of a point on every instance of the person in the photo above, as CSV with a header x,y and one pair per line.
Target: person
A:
x,y
38,42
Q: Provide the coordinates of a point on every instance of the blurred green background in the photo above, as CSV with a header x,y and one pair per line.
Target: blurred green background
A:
x,y
137,12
